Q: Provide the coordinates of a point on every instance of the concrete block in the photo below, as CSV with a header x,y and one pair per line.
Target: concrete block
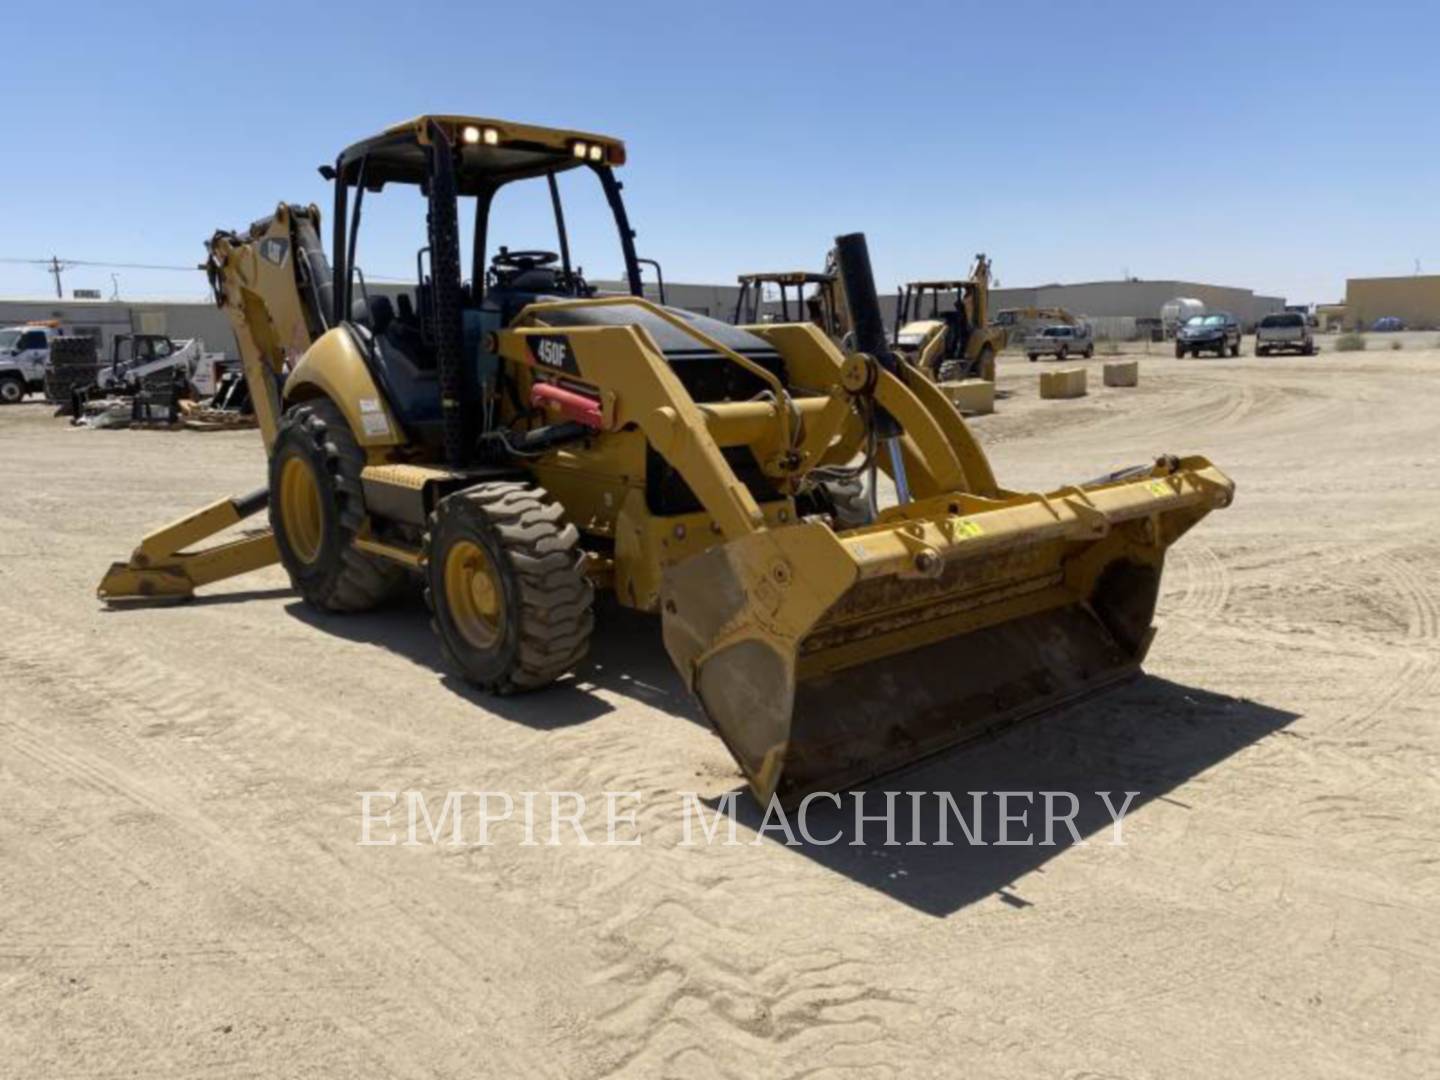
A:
x,y
1122,373
973,397
1064,383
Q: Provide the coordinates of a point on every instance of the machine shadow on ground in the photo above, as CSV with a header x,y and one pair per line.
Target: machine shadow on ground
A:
x,y
1148,736
627,658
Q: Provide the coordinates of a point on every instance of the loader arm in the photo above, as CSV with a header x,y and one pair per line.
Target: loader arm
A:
x,y
827,656
784,631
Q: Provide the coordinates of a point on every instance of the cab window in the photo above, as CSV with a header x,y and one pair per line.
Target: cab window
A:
x,y
33,339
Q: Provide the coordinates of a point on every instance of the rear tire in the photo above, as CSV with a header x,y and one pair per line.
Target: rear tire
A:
x,y
317,507
506,584
985,363
1033,357
12,390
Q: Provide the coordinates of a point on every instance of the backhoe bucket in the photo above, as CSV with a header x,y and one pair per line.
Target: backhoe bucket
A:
x,y
826,659
163,567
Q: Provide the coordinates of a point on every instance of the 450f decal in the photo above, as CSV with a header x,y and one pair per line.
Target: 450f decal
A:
x,y
553,352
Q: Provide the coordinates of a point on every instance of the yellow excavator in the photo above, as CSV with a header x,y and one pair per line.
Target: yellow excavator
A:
x,y
1013,319
954,338
512,440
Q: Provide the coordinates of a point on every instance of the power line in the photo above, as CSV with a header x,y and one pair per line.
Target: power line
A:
x,y
55,266
97,262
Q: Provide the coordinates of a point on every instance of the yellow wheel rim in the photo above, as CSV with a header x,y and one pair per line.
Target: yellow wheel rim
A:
x,y
300,509
473,595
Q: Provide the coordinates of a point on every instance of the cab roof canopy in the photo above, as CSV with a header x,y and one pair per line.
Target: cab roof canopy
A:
x,y
945,285
492,153
787,277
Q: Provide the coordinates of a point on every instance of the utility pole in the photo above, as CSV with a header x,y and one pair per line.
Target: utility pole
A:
x,y
55,268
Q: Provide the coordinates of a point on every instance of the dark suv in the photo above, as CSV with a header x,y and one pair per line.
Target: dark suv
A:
x,y
1215,332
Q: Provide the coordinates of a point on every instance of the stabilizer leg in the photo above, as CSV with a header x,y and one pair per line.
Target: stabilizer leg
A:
x,y
160,568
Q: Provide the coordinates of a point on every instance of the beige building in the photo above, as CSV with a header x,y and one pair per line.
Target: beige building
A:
x,y
1112,301
1416,299
104,319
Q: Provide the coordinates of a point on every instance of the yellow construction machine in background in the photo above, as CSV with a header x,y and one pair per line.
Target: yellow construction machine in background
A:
x,y
824,304
943,329
515,441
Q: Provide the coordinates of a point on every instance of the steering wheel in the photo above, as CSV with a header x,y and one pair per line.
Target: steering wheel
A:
x,y
505,259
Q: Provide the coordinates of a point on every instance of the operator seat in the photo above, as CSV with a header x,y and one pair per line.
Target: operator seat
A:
x,y
957,330
403,368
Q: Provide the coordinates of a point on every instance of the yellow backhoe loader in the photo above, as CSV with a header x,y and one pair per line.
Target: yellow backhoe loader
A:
x,y
824,305
954,338
515,441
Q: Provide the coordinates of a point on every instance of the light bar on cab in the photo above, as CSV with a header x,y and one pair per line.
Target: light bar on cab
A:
x,y
472,135
589,151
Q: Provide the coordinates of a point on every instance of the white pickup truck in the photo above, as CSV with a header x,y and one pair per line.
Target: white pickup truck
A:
x,y
1288,330
24,355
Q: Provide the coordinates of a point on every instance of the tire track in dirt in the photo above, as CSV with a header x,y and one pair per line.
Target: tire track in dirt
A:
x,y
692,981
1207,583
1416,674
178,777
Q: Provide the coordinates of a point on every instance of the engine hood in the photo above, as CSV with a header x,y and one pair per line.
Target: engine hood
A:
x,y
671,341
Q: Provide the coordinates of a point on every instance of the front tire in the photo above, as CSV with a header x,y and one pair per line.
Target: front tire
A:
x,y
1179,352
317,508
12,390
1033,357
506,583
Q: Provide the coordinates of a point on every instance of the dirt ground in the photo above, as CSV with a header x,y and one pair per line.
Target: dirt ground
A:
x,y
182,891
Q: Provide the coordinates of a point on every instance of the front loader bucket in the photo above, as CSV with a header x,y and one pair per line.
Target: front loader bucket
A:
x,y
827,659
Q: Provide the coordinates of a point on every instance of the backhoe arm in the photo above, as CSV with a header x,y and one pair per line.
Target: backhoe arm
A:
x,y
274,284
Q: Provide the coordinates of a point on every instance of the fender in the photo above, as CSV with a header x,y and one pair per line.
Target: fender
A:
x,y
334,367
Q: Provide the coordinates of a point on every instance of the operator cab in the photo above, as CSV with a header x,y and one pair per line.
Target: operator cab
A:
x,y
459,165
914,325
440,330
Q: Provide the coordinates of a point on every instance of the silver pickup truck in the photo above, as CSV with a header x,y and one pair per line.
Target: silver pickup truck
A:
x,y
1287,330
1060,342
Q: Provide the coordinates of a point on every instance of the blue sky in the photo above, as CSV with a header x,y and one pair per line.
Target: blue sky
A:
x,y
1279,146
